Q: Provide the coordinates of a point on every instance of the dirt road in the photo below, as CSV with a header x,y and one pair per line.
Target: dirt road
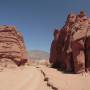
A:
x,y
41,78
27,78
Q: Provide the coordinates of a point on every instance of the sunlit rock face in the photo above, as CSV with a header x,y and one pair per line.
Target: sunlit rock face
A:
x,y
70,49
12,45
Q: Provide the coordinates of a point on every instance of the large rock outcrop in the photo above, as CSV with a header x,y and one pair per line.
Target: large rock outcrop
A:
x,y
11,46
70,49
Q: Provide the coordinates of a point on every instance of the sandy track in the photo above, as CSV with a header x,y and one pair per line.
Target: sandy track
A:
x,y
27,78
42,78
66,81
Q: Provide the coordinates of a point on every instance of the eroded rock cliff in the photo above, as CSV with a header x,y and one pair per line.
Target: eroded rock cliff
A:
x,y
12,46
70,49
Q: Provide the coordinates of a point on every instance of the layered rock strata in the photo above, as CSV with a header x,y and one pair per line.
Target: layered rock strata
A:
x,y
12,45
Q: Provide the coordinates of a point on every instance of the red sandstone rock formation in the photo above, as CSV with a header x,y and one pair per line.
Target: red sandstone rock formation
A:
x,y
71,50
12,45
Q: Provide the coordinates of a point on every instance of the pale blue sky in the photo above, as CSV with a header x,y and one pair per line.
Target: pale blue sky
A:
x,y
37,19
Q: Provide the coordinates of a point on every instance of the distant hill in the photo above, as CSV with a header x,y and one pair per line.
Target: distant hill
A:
x,y
38,55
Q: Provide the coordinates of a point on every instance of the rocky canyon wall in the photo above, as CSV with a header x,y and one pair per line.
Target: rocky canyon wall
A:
x,y
70,48
12,46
